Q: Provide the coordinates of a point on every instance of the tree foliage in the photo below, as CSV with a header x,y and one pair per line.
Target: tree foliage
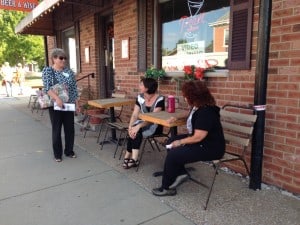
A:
x,y
16,48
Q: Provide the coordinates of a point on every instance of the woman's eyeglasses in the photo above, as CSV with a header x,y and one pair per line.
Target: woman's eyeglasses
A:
x,y
62,58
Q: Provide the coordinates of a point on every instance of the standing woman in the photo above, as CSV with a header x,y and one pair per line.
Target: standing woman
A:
x,y
147,101
58,73
204,141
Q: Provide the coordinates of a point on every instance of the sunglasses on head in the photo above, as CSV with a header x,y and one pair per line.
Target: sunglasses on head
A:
x,y
62,58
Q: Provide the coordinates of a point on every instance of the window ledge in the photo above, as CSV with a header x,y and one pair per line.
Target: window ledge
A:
x,y
177,74
217,73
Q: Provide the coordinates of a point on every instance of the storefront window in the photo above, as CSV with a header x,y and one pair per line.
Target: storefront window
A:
x,y
194,33
69,45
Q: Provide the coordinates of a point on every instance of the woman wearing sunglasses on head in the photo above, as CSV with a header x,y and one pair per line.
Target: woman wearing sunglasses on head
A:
x,y
58,73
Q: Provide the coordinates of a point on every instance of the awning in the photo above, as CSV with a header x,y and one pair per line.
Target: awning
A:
x,y
40,21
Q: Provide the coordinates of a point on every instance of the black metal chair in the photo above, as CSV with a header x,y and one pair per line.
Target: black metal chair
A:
x,y
155,139
238,126
104,117
120,126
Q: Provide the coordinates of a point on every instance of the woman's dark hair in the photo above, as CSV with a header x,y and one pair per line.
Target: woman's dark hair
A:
x,y
151,84
197,94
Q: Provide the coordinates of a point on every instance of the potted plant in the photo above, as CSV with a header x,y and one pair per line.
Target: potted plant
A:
x,y
155,73
91,111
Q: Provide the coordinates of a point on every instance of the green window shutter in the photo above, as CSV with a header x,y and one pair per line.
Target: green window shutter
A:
x,y
142,36
241,12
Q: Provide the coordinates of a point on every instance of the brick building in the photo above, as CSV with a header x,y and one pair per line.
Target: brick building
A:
x,y
119,39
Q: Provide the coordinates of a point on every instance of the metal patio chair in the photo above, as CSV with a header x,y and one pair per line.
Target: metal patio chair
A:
x,y
120,126
105,117
238,126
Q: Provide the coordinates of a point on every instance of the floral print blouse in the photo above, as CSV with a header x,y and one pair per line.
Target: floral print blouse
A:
x,y
66,76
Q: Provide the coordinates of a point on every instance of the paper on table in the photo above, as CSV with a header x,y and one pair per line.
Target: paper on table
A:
x,y
66,107
169,146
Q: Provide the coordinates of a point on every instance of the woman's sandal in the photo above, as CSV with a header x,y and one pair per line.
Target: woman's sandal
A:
x,y
130,163
125,163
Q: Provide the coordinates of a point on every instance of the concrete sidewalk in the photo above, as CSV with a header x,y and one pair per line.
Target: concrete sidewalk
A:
x,y
94,189
36,190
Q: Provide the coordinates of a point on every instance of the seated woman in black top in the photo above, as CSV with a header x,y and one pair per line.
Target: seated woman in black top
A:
x,y
204,141
147,101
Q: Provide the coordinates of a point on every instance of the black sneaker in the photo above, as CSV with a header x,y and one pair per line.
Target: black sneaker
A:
x,y
179,180
164,192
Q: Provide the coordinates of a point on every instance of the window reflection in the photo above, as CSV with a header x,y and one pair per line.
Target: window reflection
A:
x,y
194,33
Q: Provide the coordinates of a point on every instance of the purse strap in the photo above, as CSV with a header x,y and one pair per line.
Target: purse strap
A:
x,y
53,77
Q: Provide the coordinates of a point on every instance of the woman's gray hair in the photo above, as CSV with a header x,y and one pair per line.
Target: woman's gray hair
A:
x,y
57,52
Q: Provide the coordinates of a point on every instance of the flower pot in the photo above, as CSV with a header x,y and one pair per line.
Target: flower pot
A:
x,y
92,113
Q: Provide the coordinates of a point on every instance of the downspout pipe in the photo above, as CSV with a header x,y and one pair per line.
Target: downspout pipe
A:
x,y
261,77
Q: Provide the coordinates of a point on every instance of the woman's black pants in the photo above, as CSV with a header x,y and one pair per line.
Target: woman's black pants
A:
x,y
59,119
178,157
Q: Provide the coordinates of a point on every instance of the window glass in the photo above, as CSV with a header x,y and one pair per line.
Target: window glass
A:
x,y
194,33
226,37
69,45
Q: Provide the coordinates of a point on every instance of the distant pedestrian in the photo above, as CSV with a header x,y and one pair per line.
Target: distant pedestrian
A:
x,y
7,72
20,77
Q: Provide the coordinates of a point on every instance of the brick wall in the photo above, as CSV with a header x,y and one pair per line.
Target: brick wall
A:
x,y
281,163
87,40
125,26
50,44
282,151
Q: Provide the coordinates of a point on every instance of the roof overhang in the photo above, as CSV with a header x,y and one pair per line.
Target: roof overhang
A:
x,y
40,21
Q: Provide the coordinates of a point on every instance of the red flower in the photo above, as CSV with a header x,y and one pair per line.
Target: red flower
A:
x,y
199,73
188,70
193,73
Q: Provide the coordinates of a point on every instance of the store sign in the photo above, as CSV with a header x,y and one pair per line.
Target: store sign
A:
x,y
191,48
18,5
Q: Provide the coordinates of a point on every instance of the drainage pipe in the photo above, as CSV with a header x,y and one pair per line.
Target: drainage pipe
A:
x,y
261,77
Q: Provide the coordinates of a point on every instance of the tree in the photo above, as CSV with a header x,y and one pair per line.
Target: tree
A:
x,y
15,48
